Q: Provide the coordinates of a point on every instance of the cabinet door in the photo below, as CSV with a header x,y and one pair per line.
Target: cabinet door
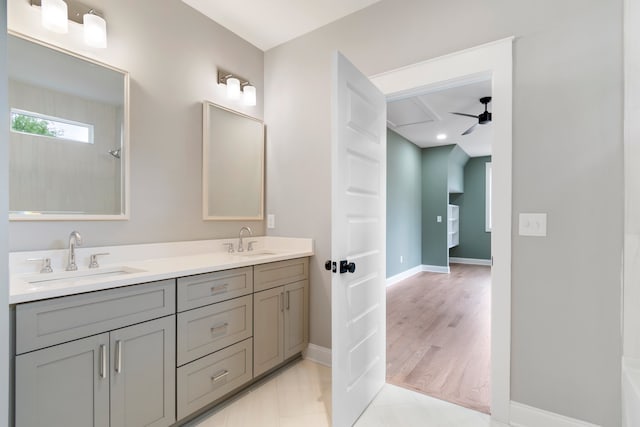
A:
x,y
143,374
268,326
65,385
296,325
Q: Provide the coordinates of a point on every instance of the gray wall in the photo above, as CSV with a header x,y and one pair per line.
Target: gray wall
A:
x,y
475,241
435,198
567,103
4,239
404,204
172,53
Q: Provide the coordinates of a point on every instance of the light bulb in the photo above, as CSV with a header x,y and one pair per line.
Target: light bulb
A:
x,y
54,16
95,31
233,88
249,96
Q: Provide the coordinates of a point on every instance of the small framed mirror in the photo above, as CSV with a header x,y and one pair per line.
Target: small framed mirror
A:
x,y
233,165
69,135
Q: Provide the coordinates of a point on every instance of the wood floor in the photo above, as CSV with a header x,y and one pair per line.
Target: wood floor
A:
x,y
438,335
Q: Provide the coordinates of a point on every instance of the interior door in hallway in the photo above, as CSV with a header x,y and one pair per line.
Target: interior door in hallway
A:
x,y
358,154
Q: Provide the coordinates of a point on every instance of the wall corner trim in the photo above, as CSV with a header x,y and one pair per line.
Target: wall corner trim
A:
x,y
321,355
436,269
528,416
470,261
404,275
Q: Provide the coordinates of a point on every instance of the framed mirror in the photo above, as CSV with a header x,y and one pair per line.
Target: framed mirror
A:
x,y
233,165
69,135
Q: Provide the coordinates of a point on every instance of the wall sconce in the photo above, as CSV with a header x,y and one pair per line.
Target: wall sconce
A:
x,y
56,15
237,86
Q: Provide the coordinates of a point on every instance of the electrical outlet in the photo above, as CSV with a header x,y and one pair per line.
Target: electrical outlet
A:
x,y
439,218
271,221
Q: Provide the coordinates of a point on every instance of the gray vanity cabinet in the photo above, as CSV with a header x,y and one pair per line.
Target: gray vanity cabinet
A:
x,y
64,385
142,376
280,312
99,359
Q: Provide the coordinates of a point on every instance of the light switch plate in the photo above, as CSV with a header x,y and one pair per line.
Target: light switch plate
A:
x,y
271,221
438,218
533,224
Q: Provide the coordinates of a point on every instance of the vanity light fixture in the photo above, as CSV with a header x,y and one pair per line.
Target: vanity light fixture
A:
x,y
56,15
238,87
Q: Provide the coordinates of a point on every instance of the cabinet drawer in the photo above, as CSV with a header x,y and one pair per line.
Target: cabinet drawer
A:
x,y
205,380
211,328
205,289
44,323
267,276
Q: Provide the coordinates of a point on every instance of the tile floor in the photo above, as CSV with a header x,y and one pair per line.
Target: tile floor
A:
x,y
300,396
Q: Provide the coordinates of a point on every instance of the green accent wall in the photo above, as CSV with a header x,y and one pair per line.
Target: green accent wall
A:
x,y
404,204
475,242
457,160
435,197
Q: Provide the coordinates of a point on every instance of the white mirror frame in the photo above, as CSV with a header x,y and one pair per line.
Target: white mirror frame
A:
x,y
206,149
124,215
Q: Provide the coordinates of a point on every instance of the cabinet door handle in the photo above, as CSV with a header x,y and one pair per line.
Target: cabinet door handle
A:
x,y
219,288
118,361
103,361
288,292
220,326
282,301
219,376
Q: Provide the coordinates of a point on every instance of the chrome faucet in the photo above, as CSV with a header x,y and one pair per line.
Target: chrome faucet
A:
x,y
240,247
75,239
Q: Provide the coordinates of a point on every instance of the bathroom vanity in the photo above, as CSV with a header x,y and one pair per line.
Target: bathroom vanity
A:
x,y
173,336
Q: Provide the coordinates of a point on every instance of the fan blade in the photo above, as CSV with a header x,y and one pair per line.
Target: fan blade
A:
x,y
463,114
471,129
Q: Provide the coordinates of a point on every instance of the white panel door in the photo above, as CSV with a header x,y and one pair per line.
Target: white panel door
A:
x,y
358,154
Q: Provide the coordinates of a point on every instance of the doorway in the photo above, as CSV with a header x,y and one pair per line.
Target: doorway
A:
x,y
493,61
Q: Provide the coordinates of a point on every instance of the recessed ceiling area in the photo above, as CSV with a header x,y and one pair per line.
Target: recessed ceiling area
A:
x,y
421,118
266,24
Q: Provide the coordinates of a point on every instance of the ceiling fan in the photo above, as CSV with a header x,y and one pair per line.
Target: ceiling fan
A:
x,y
483,118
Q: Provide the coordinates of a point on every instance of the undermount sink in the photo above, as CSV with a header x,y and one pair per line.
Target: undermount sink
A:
x,y
96,273
257,252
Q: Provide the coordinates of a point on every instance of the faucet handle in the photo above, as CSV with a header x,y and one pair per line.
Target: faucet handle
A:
x,y
229,247
46,264
250,245
93,259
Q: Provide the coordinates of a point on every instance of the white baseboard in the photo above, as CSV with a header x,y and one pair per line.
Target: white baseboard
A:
x,y
321,355
404,275
470,261
435,269
527,416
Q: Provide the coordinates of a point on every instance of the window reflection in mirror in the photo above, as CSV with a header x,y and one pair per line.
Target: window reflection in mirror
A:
x,y
69,134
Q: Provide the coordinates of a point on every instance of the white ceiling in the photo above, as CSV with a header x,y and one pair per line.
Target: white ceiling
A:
x,y
420,118
267,24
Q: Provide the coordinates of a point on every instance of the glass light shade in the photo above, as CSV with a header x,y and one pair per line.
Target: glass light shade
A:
x,y
249,96
95,31
233,88
54,16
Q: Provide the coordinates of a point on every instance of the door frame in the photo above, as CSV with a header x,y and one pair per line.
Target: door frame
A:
x,y
492,60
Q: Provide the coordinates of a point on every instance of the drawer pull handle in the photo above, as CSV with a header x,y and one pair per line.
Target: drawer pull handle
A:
x,y
118,362
220,376
222,326
282,301
218,289
103,361
288,292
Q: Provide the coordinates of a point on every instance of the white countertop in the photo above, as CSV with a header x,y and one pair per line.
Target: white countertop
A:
x,y
142,263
